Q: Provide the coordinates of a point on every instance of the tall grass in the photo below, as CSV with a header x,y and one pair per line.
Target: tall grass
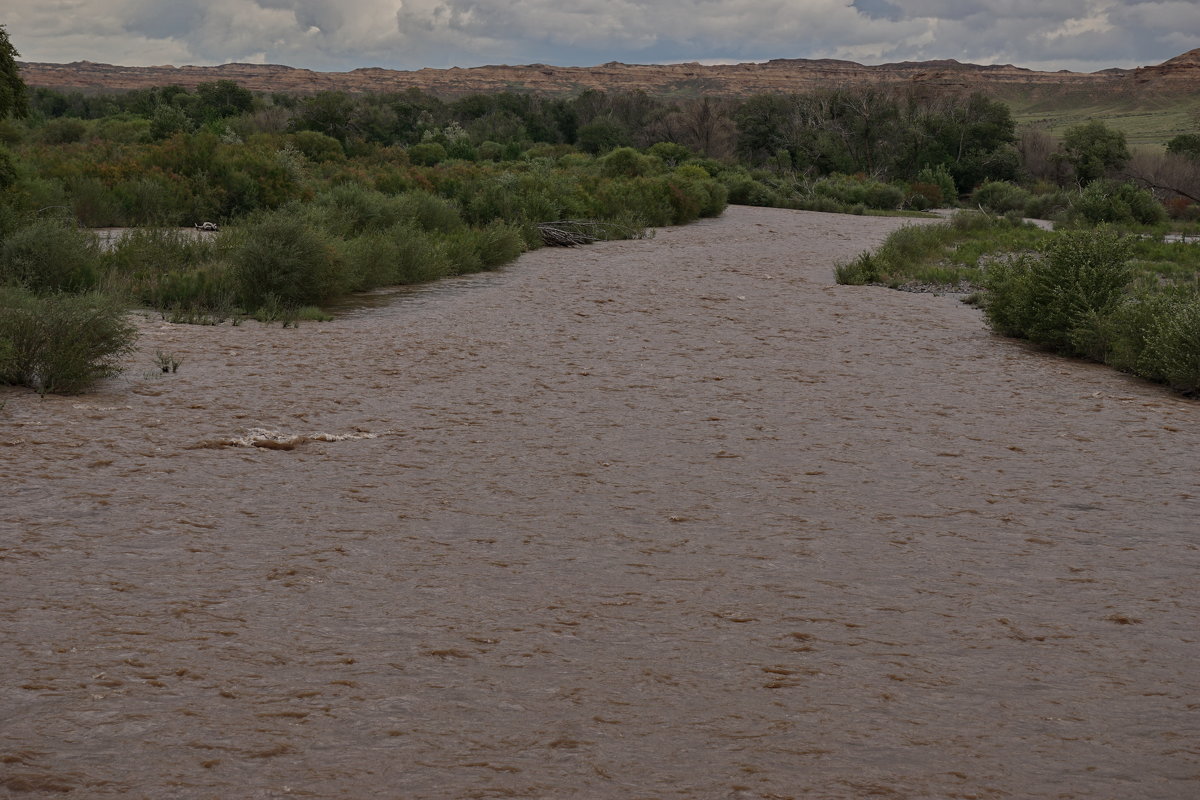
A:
x,y
951,253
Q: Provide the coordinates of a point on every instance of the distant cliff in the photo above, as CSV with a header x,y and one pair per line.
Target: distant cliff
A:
x,y
1179,75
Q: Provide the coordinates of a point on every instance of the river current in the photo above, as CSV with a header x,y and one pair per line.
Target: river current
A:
x,y
677,518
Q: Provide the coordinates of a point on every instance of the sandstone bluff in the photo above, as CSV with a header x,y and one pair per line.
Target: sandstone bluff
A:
x,y
1179,75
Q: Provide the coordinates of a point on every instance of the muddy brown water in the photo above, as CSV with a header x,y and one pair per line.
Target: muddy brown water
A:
x,y
676,518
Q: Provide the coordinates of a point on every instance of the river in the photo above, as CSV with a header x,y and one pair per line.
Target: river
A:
x,y
677,518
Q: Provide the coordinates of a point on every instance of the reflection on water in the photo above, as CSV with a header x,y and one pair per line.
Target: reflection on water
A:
x,y
677,518
359,302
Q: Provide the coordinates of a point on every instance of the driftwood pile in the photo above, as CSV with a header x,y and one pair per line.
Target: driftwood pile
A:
x,y
574,232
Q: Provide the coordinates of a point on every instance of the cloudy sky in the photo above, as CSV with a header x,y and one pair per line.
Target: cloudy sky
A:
x,y
1082,35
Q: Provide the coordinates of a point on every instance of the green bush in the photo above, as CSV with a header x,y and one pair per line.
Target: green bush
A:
x,y
370,260
208,289
63,130
1172,343
693,194
940,177
864,269
427,154
150,200
429,212
490,151
496,199
61,343
498,244
49,255
460,251
168,120
278,255
1049,205
8,169
625,162
418,259
1000,197
670,153
317,147
94,204
644,198
1050,298
852,191
883,196
1105,201
349,209
743,190
155,265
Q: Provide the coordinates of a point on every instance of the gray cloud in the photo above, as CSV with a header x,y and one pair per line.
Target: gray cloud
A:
x,y
409,34
880,9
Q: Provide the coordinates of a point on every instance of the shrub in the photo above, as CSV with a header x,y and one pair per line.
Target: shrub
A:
x,y
1049,299
417,258
1117,202
624,162
63,130
94,204
8,169
317,147
645,198
490,151
852,191
208,289
427,154
923,195
144,252
883,196
1172,344
859,272
60,343
350,209
460,251
1049,205
49,256
278,255
743,190
429,212
493,200
940,177
692,194
1182,208
1000,197
168,120
150,200
601,135
498,244
670,153
370,260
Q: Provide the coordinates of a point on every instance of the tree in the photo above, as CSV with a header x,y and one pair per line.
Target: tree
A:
x,y
13,97
328,113
221,99
703,125
602,135
1167,174
761,122
1093,149
1185,144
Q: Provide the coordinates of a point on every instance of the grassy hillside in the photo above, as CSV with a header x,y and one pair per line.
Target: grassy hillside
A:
x,y
1146,121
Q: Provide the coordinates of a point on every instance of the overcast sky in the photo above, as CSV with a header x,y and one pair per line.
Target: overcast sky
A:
x,y
1083,35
